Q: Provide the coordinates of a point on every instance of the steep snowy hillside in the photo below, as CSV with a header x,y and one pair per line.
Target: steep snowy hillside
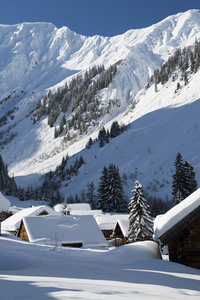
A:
x,y
161,125
38,56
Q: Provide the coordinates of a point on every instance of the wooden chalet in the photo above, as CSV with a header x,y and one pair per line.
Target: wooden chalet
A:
x,y
13,222
121,231
180,229
59,230
107,223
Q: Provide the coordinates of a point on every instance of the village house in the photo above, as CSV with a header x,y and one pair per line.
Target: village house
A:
x,y
12,223
180,229
120,232
76,209
59,230
60,207
107,223
4,208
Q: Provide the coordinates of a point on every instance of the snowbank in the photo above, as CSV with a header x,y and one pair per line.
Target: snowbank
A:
x,y
137,251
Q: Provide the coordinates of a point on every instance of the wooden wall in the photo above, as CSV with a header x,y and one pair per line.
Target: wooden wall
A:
x,y
119,234
107,233
22,233
185,247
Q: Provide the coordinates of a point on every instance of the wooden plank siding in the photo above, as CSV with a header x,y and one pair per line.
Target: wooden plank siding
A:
x,y
119,234
184,248
22,233
107,233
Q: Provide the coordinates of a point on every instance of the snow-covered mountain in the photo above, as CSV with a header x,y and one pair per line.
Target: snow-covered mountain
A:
x,y
36,57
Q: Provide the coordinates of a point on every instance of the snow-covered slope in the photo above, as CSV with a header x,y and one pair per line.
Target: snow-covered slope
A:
x,y
38,56
133,271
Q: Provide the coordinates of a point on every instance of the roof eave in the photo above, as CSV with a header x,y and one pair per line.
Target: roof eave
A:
x,y
172,232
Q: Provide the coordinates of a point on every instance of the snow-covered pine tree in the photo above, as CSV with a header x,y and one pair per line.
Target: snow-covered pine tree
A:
x,y
64,208
140,222
178,197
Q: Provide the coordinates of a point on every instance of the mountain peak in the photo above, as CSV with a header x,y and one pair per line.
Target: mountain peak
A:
x,y
38,57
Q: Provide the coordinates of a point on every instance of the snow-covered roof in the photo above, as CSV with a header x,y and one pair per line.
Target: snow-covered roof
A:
x,y
166,222
15,209
93,212
57,229
124,224
109,221
4,203
12,223
72,206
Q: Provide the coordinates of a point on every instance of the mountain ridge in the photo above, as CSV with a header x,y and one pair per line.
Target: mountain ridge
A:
x,y
39,57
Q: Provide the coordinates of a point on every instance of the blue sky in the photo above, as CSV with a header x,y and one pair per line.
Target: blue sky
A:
x,y
91,17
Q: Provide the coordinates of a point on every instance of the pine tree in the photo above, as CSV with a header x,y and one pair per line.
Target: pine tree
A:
x,y
110,191
7,183
56,132
115,129
102,202
116,198
178,180
102,137
21,194
156,207
77,200
64,208
89,143
178,197
91,195
140,222
184,182
190,180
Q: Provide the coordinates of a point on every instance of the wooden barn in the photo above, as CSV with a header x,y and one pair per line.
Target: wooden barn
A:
x,y
58,230
121,231
107,223
180,229
12,223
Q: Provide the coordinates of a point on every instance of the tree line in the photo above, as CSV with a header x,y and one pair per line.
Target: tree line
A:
x,y
186,60
110,198
105,135
109,195
49,190
8,185
77,97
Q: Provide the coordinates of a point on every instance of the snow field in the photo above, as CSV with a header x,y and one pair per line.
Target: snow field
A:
x,y
30,271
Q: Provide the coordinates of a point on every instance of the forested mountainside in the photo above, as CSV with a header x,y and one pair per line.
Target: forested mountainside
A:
x,y
62,92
